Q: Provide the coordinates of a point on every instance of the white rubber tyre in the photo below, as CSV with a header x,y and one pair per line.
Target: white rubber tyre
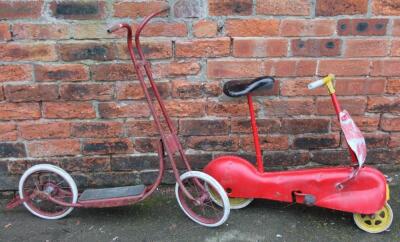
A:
x,y
58,171
219,189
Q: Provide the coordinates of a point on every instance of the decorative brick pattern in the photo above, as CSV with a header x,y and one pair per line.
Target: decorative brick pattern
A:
x,y
70,96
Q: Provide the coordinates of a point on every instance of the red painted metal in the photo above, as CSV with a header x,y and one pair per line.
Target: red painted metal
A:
x,y
256,139
365,194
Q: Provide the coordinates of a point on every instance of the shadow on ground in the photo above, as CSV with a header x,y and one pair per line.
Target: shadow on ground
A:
x,y
160,219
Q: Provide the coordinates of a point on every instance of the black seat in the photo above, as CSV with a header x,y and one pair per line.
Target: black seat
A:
x,y
238,89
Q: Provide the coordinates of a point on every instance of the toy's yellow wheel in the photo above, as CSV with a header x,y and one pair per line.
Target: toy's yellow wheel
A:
x,y
236,203
375,223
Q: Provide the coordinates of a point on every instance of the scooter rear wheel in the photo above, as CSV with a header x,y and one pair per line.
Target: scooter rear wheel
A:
x,y
202,209
53,181
236,203
375,223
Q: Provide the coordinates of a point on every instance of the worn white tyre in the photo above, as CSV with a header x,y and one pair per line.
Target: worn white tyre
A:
x,y
50,179
206,212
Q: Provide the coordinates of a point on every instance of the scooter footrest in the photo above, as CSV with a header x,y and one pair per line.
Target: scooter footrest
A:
x,y
114,192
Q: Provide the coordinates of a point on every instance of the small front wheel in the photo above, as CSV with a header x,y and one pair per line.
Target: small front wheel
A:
x,y
51,181
377,222
202,209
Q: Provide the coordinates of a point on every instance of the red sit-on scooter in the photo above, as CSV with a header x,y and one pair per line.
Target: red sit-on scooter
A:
x,y
49,192
357,189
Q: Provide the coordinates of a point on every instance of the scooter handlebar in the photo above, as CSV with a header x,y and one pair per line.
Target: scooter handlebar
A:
x,y
114,28
321,82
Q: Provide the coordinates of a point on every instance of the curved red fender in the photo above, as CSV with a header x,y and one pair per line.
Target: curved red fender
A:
x,y
365,194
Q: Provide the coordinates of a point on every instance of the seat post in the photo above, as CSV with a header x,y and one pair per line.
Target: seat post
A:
x,y
256,139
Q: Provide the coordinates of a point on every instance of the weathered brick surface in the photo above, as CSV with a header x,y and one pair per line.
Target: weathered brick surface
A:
x,y
70,96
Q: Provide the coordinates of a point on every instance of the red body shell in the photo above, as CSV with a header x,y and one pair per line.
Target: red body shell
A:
x,y
365,194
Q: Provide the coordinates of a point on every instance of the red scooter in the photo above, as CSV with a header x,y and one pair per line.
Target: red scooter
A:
x,y
357,189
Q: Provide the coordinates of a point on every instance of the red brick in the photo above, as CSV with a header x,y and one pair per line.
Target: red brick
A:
x,y
394,140
216,47
202,127
393,86
242,125
8,132
286,158
213,143
83,30
386,7
366,48
295,68
1,93
231,109
133,91
373,140
381,104
283,7
252,27
97,129
205,29
395,48
141,128
5,33
91,91
78,10
86,164
316,47
259,47
113,72
123,110
385,68
364,86
28,93
62,147
109,146
355,105
151,50
298,87
138,9
69,110
331,157
61,72
176,68
27,52
12,150
341,7
15,73
19,111
305,125
316,141
315,27
344,67
233,68
291,106
30,131
390,123
40,31
396,27
165,29
24,9
187,89
230,7
267,142
363,27
365,123
87,51
185,108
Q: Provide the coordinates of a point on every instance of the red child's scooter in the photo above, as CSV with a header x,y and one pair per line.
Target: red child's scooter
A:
x,y
357,189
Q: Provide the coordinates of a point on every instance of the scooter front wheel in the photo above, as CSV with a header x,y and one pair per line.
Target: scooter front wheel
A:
x,y
52,181
375,223
202,209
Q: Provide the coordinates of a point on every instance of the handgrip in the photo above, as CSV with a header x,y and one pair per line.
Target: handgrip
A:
x,y
114,28
321,82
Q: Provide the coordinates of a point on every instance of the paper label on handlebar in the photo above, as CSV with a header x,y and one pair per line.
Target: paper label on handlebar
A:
x,y
354,137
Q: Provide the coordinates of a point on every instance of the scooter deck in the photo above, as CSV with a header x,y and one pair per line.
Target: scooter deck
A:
x,y
114,192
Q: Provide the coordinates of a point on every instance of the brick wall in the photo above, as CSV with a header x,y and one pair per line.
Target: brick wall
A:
x,y
69,95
